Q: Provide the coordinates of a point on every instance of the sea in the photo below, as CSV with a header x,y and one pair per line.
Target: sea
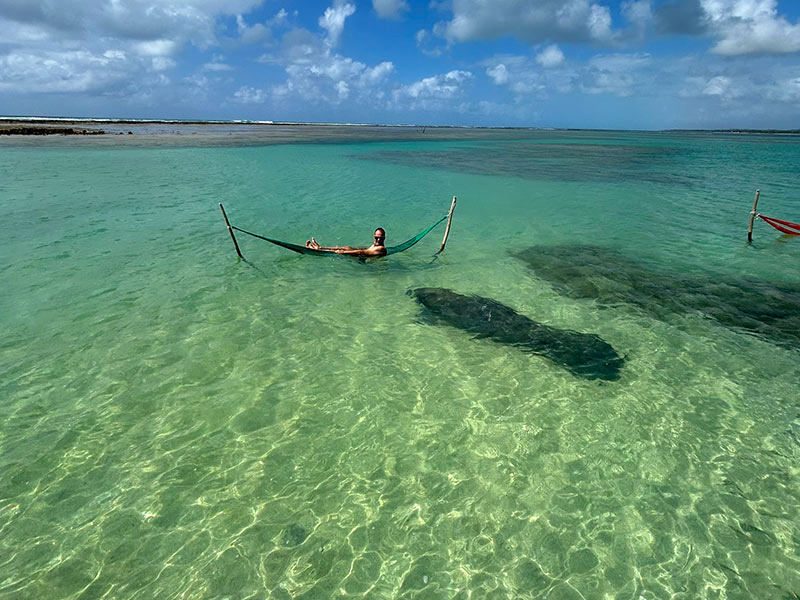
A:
x,y
176,422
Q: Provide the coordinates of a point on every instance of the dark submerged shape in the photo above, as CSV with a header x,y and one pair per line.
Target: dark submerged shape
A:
x,y
767,309
584,354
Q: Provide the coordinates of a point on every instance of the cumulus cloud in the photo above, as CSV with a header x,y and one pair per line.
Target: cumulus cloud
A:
x,y
546,20
155,47
102,46
551,56
184,20
390,9
316,74
750,26
259,32
548,73
639,14
45,72
758,80
524,76
333,21
433,93
498,74
617,74
249,95
717,86
331,79
737,26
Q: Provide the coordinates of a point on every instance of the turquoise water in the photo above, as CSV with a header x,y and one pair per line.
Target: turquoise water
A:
x,y
176,423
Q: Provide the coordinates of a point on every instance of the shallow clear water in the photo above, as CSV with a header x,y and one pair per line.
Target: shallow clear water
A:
x,y
178,423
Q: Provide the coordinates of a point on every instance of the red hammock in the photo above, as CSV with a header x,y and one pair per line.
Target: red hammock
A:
x,y
790,228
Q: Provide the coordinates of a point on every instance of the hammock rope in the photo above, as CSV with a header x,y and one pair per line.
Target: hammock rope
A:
x,y
306,250
784,226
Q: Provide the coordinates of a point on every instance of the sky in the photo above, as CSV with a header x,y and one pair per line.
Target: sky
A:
x,y
607,64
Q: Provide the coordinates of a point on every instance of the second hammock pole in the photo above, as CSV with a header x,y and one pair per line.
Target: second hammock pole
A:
x,y
449,220
752,218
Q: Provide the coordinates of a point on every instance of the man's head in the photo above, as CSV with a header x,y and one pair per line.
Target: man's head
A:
x,y
380,236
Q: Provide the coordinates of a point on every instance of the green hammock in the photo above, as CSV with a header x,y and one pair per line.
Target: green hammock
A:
x,y
305,250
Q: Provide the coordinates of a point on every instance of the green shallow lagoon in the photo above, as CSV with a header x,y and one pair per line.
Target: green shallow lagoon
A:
x,y
175,423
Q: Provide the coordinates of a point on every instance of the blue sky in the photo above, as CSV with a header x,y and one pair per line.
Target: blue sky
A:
x,y
637,64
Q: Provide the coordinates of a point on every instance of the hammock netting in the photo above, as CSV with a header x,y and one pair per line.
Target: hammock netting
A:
x,y
305,250
783,226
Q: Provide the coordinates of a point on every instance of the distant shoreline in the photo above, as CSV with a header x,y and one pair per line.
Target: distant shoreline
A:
x,y
11,125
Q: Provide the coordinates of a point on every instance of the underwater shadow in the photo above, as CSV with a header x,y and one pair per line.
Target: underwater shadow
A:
x,y
766,309
584,354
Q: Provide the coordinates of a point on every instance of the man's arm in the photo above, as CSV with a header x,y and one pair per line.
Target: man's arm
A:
x,y
361,251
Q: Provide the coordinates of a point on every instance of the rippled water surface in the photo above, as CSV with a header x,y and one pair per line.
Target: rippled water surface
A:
x,y
176,423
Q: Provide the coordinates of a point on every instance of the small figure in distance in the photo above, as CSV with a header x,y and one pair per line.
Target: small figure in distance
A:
x,y
376,249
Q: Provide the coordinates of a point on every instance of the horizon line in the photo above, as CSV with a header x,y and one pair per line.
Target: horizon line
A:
x,y
132,121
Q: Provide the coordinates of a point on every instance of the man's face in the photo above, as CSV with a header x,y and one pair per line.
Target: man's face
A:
x,y
379,237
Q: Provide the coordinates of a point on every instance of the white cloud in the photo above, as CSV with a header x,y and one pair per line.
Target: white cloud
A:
x,y
722,87
77,71
525,76
498,74
599,22
545,20
332,78
260,32
155,47
750,27
297,46
252,34
639,13
333,21
196,81
548,74
390,9
114,54
217,66
432,93
249,95
377,73
109,48
180,20
315,74
717,86
617,74
550,57
162,63
427,43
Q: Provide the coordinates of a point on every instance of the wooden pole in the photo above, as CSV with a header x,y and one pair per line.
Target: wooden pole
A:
x,y
230,230
752,218
449,220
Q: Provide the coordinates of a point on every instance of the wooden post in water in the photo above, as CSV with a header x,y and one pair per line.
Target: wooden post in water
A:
x,y
752,218
230,230
449,220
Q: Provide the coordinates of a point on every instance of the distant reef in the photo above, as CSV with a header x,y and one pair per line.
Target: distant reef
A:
x,y
47,130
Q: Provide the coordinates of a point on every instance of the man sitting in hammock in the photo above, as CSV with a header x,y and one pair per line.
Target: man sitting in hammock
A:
x,y
376,249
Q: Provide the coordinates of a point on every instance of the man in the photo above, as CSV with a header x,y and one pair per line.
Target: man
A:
x,y
376,249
